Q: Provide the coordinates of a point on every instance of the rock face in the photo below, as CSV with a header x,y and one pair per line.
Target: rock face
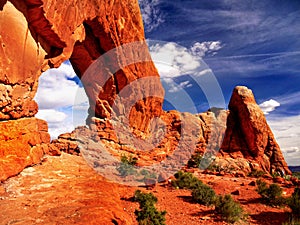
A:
x,y
64,143
63,190
249,136
23,143
36,35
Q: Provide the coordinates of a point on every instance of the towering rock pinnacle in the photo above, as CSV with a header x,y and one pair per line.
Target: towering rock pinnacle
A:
x,y
249,136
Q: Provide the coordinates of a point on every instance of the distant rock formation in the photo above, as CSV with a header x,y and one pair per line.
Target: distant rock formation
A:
x,y
237,139
249,136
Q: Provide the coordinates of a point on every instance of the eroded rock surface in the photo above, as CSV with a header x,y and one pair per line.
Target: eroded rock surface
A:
x,y
249,136
50,32
36,35
63,190
23,142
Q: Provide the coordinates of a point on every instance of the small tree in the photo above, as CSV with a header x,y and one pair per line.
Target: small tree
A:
x,y
204,194
185,180
148,214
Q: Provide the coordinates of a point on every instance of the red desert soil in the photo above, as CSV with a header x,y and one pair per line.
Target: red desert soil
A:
x,y
64,190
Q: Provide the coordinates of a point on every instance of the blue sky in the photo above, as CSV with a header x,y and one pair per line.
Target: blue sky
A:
x,y
252,43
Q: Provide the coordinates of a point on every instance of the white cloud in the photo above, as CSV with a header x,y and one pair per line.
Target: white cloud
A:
x,y
58,122
173,60
51,116
57,93
203,72
56,89
207,47
287,133
175,88
290,150
269,106
152,15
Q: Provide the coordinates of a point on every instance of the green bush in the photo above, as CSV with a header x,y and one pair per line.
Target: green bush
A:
x,y
204,194
272,193
185,180
256,173
230,210
294,202
194,161
148,214
126,166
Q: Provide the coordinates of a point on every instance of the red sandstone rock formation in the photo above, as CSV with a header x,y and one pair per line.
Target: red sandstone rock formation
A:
x,y
22,143
36,35
249,136
41,34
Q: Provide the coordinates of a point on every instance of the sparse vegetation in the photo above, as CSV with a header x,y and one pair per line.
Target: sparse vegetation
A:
x,y
148,214
296,174
126,166
294,203
256,173
204,195
214,167
185,180
194,161
271,194
230,210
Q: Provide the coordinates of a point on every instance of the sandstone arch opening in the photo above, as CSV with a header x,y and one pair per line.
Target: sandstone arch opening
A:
x,y
62,100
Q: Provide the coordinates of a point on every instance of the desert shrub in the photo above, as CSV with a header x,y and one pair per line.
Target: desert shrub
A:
x,y
204,194
296,174
148,214
256,173
214,167
230,210
147,174
294,202
262,187
126,166
185,180
194,161
271,194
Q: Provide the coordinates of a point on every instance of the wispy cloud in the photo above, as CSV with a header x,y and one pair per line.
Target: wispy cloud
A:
x,y
173,60
151,13
287,133
206,47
